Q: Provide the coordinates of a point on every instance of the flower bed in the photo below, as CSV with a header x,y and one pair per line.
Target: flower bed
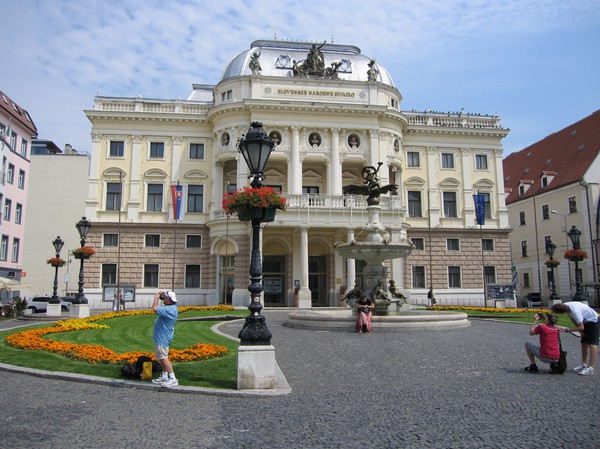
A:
x,y
33,339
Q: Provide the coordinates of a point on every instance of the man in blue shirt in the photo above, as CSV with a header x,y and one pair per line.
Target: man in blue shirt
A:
x,y
164,328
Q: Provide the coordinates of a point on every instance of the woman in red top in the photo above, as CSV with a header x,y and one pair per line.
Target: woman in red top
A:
x,y
548,351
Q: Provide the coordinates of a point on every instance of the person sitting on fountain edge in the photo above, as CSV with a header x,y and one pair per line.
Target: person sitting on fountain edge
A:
x,y
365,307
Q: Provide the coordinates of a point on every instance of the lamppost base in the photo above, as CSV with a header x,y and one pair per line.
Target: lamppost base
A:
x,y
53,310
256,368
79,311
255,331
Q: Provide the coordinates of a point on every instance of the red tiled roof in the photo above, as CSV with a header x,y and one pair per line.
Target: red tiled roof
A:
x,y
17,113
568,153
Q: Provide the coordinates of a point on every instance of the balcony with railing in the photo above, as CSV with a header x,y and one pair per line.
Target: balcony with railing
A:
x,y
333,210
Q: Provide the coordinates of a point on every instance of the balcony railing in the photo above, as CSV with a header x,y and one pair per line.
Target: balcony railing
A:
x,y
334,210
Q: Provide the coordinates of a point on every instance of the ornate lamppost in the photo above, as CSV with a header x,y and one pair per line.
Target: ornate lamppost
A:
x,y
552,263
576,256
256,147
58,244
83,227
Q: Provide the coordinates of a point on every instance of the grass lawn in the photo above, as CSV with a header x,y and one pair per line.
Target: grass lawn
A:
x,y
134,333
524,317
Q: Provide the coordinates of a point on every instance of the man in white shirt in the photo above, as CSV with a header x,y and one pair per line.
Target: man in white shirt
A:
x,y
586,323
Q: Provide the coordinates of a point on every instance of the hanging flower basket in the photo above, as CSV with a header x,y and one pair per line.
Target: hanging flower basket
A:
x,y
85,252
257,213
552,263
250,203
56,262
575,255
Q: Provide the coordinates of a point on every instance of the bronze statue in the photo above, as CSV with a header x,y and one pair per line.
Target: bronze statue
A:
x,y
395,292
373,72
254,63
372,189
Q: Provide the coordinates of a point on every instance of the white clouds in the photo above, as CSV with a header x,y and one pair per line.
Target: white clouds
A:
x,y
439,53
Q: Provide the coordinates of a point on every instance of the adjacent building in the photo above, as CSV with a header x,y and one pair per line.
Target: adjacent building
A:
x,y
17,129
330,111
552,186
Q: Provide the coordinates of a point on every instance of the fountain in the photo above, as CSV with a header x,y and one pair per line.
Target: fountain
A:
x,y
374,245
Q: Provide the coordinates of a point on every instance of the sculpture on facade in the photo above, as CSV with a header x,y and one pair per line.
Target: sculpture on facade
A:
x,y
372,188
373,72
254,63
353,295
314,65
396,294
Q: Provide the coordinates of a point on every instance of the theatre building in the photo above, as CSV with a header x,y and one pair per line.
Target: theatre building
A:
x,y
330,111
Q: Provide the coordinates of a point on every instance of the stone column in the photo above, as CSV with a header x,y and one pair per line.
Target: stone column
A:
x,y
334,172
294,166
304,295
350,263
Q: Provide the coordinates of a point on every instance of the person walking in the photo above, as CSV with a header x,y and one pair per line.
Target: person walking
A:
x,y
164,329
586,323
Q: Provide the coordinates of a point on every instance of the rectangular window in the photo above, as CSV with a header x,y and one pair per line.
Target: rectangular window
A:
x,y
522,221
419,243
113,196
10,174
195,200
447,160
21,180
454,277
547,240
152,240
572,205
193,241
524,248
7,208
117,148
450,204
151,275
412,159
192,276
481,162
487,244
526,280
418,277
196,151
489,274
545,212
13,141
18,213
157,150
109,273
452,244
488,205
111,240
155,197
414,204
24,148
4,247
15,249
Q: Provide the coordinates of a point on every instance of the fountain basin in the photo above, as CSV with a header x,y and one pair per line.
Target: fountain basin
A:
x,y
342,320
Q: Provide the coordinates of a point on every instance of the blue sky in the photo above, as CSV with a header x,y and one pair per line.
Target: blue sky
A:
x,y
535,63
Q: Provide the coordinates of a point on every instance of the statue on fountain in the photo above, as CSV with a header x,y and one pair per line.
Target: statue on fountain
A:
x,y
353,295
372,188
380,299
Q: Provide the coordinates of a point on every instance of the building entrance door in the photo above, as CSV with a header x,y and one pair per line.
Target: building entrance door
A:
x,y
317,280
274,280
226,279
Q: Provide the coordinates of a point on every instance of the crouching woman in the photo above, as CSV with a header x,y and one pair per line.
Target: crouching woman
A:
x,y
364,307
549,349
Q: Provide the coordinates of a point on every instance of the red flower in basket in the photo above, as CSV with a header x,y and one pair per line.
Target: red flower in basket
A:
x,y
56,262
249,197
85,252
575,254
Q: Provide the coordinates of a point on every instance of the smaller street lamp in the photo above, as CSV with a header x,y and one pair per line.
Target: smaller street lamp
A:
x,y
550,248
58,244
575,235
83,227
256,147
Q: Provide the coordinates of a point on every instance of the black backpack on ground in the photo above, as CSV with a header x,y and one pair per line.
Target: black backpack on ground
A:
x,y
561,366
134,371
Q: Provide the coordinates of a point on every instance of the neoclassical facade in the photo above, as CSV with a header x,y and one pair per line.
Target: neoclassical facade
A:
x,y
330,111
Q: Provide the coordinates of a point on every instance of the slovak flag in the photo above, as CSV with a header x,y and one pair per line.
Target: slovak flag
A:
x,y
176,195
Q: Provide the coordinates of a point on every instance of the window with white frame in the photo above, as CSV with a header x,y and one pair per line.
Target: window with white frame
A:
x,y
412,159
110,240
195,198
109,273
447,160
10,174
21,180
419,243
151,275
24,148
418,276
113,196
154,198
192,276
453,244
415,207
152,240
481,162
7,208
450,209
487,244
193,241
18,213
522,220
117,148
572,205
157,150
196,151
454,277
523,248
15,249
4,248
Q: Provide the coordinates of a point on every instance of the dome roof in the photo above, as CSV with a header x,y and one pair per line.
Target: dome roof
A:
x,y
277,58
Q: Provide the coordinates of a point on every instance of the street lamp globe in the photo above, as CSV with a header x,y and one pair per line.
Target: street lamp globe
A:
x,y
83,227
256,147
58,244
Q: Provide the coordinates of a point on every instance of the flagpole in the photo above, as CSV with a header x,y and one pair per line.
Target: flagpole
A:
x,y
176,194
